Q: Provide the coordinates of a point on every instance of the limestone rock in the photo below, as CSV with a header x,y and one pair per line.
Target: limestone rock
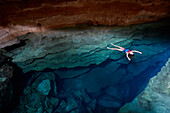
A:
x,y
34,100
44,87
54,101
92,105
155,98
61,107
71,104
49,80
22,17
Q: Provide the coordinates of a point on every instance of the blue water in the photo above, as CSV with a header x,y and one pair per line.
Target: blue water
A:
x,y
97,81
116,82
114,88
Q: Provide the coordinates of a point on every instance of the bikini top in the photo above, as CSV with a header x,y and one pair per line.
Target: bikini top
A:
x,y
127,51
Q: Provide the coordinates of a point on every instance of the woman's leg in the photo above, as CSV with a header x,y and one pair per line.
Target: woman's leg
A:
x,y
114,49
117,46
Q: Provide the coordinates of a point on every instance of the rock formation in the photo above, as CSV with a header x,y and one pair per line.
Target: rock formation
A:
x,y
35,99
6,86
74,71
19,17
78,56
9,84
155,98
72,48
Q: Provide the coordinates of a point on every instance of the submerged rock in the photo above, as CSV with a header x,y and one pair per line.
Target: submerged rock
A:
x,y
44,82
36,97
71,104
155,98
44,87
109,102
54,101
61,107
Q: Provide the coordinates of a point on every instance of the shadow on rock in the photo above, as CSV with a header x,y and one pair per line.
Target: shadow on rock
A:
x,y
10,84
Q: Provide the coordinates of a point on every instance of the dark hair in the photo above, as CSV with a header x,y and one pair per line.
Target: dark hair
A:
x,y
131,55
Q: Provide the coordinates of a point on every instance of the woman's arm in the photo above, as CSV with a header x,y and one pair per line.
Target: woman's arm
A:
x,y
128,57
137,51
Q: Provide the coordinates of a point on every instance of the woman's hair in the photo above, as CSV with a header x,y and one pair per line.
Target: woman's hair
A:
x,y
131,55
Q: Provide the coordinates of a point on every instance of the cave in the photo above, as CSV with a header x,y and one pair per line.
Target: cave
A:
x,y
73,56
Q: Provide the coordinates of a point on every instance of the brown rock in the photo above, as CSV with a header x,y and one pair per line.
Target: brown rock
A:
x,y
19,16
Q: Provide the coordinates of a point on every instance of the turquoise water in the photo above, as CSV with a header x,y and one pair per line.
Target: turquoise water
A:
x,y
115,88
106,86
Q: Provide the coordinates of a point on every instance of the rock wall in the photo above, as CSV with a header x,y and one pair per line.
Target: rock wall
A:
x,y
71,48
10,87
6,87
19,17
155,98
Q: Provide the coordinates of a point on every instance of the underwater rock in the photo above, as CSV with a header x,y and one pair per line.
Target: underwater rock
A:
x,y
75,101
115,92
109,102
92,105
101,75
30,103
44,87
44,82
61,107
155,98
35,96
48,105
54,101
35,102
71,104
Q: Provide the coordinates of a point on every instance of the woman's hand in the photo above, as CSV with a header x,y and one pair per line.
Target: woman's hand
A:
x,y
140,52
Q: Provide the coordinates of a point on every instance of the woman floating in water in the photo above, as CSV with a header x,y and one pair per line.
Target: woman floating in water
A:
x,y
128,52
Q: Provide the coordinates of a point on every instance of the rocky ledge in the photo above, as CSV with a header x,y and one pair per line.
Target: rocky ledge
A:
x,y
155,98
70,48
19,17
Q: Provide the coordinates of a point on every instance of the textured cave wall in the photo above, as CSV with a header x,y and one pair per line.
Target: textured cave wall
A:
x,y
19,17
